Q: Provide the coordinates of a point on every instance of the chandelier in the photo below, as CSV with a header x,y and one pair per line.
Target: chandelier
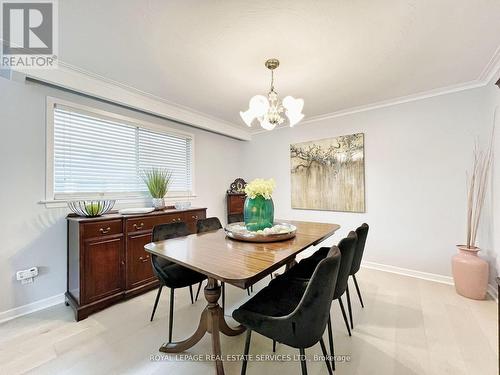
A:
x,y
269,110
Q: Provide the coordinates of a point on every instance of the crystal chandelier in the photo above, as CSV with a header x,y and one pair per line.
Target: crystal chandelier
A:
x,y
269,111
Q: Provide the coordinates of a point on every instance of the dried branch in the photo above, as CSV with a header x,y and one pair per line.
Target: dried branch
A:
x,y
477,184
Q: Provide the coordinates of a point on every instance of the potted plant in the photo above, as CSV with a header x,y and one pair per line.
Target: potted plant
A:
x,y
157,180
258,211
470,272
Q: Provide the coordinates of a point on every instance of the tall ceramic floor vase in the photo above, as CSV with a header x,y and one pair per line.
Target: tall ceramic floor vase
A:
x,y
470,273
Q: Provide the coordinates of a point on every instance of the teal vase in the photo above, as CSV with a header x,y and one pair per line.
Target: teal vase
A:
x,y
258,213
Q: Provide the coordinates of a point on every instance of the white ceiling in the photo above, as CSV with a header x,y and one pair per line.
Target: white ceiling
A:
x,y
209,55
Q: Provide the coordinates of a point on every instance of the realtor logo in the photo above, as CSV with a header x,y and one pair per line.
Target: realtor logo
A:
x,y
29,34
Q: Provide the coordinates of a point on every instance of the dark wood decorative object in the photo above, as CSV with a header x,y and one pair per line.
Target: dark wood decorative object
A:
x,y
106,258
237,186
235,198
238,263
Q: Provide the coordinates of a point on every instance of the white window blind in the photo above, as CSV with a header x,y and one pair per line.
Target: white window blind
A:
x,y
96,155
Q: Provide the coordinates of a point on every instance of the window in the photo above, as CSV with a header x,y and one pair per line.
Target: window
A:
x,y
93,154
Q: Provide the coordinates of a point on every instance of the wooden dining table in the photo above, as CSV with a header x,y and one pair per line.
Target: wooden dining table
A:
x,y
238,263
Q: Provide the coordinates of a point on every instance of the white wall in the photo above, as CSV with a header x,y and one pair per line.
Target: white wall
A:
x,y
416,155
33,235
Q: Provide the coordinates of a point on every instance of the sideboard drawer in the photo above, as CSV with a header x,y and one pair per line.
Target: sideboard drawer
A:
x,y
140,224
194,215
173,218
102,228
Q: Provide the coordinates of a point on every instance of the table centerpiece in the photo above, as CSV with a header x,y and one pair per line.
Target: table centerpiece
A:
x,y
258,211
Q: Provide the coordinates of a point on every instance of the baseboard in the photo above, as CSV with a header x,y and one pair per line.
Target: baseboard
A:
x,y
407,272
31,307
57,299
492,291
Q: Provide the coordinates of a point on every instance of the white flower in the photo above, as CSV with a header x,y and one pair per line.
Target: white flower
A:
x,y
260,187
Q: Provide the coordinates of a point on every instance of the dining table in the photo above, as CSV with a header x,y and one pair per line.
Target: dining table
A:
x,y
234,262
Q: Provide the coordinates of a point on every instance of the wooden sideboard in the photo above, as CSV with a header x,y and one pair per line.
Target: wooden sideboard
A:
x,y
106,258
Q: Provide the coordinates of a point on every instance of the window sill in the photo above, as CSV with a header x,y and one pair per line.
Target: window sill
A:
x,y
121,202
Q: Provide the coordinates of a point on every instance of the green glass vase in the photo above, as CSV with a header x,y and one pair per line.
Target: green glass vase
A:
x,y
258,213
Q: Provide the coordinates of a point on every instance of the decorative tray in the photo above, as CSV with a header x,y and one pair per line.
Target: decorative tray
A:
x,y
279,232
139,210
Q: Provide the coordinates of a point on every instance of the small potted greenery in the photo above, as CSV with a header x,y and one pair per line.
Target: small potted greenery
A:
x,y
157,180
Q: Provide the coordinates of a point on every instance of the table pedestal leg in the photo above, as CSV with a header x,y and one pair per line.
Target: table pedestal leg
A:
x,y
211,321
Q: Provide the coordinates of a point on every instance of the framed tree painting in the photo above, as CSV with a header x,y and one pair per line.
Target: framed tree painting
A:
x,y
329,174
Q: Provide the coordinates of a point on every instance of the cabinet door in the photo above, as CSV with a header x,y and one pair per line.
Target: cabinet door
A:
x,y
102,268
190,218
139,268
236,203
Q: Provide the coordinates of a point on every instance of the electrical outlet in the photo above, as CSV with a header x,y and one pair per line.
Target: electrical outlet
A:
x,y
26,276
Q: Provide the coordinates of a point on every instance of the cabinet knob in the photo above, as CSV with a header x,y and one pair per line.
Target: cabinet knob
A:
x,y
144,260
140,226
104,231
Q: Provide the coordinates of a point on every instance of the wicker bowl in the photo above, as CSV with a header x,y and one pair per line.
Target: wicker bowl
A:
x,y
91,208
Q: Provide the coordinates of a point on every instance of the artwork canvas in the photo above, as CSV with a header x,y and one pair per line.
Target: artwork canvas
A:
x,y
329,174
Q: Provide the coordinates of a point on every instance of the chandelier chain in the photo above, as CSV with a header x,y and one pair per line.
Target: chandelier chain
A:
x,y
272,80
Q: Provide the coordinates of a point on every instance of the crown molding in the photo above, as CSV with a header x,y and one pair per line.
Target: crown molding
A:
x,y
488,76
385,103
395,101
75,79
491,71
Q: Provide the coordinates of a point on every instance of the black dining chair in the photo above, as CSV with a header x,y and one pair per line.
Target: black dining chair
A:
x,y
303,270
362,233
170,274
294,312
208,224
